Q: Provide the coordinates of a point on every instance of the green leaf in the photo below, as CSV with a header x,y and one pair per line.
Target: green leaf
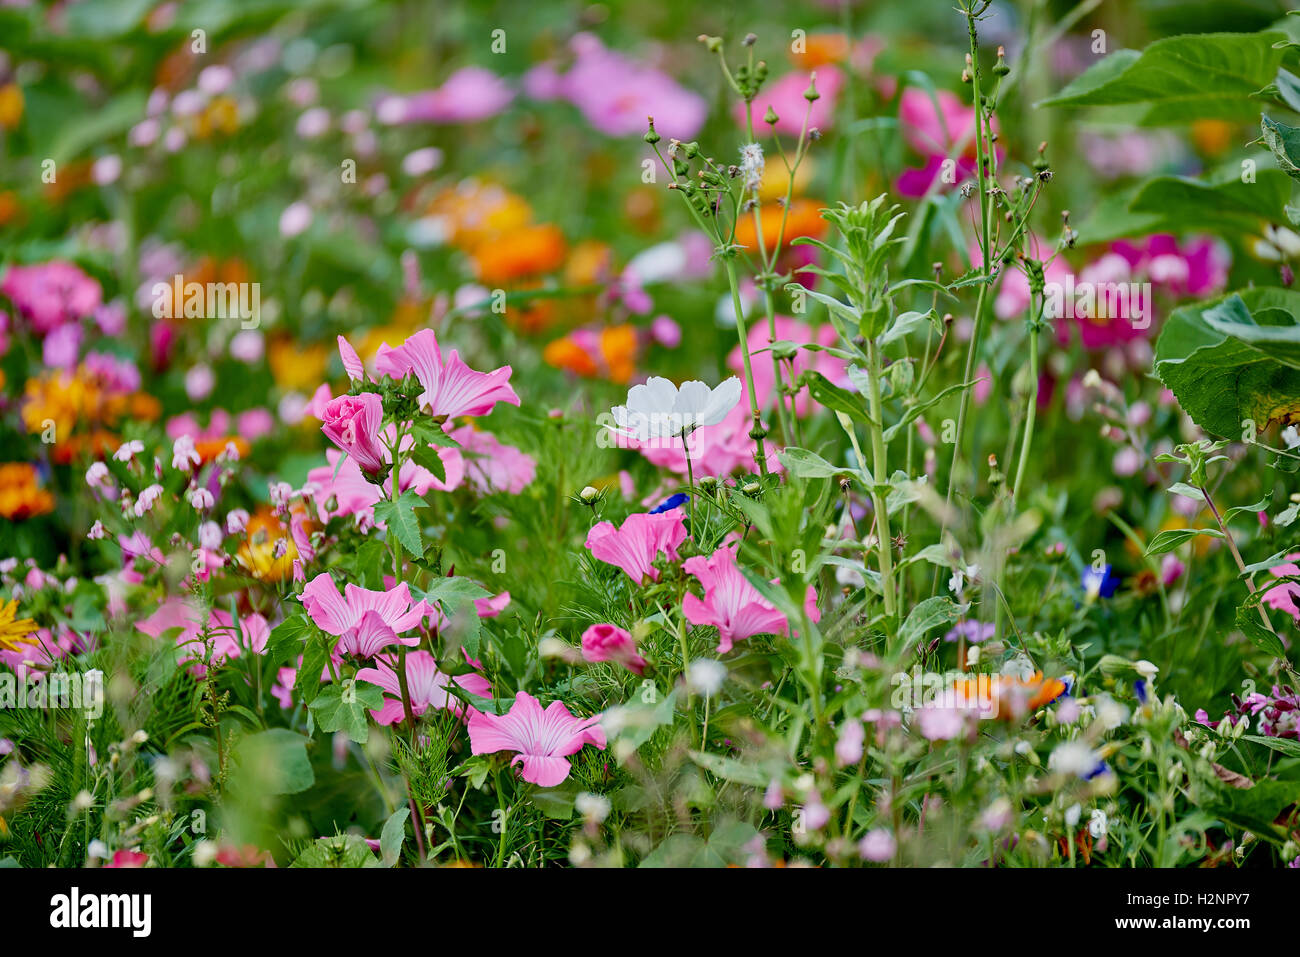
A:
x,y
1282,745
428,458
346,850
277,759
928,614
834,397
400,518
1252,627
807,464
1234,359
392,836
1181,78
1170,539
1284,141
729,769
343,707
905,323
288,638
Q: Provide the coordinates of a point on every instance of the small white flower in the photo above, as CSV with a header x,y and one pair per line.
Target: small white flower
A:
x,y
1073,757
201,499
705,676
659,409
1097,825
96,531
751,165
147,498
1072,815
1291,437
236,521
1146,669
593,807
210,536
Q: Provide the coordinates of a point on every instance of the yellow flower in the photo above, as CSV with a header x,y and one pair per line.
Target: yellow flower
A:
x,y
11,105
14,633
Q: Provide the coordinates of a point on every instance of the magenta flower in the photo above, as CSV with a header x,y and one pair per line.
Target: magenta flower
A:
x,y
426,685
543,739
610,643
1282,596
351,361
352,422
641,539
364,621
732,604
451,388
50,294
936,127
491,465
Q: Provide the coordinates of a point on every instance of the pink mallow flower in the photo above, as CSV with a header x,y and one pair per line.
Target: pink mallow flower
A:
x,y
606,642
352,422
1283,596
936,127
50,294
641,539
470,94
543,740
451,388
732,603
363,620
426,685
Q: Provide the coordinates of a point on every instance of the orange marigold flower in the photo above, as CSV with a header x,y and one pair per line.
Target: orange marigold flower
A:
x,y
20,495
820,49
804,220
528,251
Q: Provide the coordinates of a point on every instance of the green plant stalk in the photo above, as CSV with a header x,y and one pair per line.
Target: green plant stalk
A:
x,y
884,541
986,249
760,451
1031,413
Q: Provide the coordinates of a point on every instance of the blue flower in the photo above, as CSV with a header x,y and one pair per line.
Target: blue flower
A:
x,y
670,503
1140,689
1103,582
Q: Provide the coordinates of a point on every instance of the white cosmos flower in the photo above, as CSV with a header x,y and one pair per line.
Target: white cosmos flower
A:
x,y
659,409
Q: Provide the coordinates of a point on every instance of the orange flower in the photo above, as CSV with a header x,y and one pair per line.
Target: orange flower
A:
x,y
820,49
528,251
568,355
209,449
11,106
804,220
618,346
20,496
1212,137
1012,697
475,211
220,116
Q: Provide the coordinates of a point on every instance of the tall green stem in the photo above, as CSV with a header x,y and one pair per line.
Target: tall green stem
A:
x,y
760,451
880,476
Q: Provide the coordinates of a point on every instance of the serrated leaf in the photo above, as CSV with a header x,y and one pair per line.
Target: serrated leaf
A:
x,y
343,707
399,517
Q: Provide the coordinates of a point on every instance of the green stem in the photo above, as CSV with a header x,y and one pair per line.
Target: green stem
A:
x,y
880,476
760,451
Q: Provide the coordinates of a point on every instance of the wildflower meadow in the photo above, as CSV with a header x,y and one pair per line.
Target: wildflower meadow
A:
x,y
818,434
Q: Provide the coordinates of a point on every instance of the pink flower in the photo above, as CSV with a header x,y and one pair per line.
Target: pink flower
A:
x,y
732,604
936,127
641,539
492,466
791,330
451,388
616,93
940,724
1283,596
352,422
351,361
349,492
227,639
427,687
365,621
125,858
543,739
468,95
877,845
786,97
50,294
610,643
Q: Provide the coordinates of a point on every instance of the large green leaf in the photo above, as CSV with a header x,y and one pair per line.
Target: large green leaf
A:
x,y
399,517
1234,359
1182,78
277,760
